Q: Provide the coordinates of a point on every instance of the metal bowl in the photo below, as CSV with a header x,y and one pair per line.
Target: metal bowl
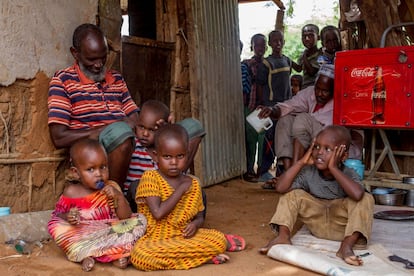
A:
x,y
408,180
394,198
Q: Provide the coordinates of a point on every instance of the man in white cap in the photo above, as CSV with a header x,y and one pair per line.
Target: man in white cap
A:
x,y
301,118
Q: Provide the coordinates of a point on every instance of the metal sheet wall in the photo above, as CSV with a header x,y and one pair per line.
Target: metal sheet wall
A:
x,y
216,88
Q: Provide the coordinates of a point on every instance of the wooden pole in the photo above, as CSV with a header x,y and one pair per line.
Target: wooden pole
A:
x,y
279,20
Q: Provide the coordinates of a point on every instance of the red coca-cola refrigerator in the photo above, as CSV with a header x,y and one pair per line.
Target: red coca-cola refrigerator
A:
x,y
374,88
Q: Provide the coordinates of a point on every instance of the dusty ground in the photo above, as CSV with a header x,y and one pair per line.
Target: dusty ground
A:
x,y
233,207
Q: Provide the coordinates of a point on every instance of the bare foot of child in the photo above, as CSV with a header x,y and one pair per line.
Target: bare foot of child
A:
x,y
278,240
282,238
346,253
219,259
87,264
121,263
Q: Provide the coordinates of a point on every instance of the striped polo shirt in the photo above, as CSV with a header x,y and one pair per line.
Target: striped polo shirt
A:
x,y
141,161
80,103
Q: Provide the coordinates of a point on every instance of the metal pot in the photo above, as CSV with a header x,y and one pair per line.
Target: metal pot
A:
x,y
408,180
409,199
394,198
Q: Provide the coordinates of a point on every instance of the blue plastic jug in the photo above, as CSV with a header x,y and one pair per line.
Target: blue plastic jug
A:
x,y
357,166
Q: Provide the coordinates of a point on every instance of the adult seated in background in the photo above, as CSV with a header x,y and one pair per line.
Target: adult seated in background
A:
x,y
87,100
302,117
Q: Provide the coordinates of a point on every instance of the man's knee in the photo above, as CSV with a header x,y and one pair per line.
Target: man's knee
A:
x,y
304,128
285,123
117,137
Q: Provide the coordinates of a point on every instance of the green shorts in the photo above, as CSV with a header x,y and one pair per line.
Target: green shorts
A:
x,y
115,134
193,127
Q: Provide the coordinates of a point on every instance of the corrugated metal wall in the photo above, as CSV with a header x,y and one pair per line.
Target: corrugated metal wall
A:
x,y
216,87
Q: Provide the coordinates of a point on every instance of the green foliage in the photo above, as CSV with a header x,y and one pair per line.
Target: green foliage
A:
x,y
289,11
293,43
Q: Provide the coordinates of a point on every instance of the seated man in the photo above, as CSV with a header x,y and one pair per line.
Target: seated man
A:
x,y
302,117
326,196
87,100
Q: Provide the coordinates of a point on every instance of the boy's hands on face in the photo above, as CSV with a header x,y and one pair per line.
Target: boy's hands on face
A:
x,y
307,158
336,157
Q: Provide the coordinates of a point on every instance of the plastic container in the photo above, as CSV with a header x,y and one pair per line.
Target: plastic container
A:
x,y
259,124
357,165
26,248
382,191
4,211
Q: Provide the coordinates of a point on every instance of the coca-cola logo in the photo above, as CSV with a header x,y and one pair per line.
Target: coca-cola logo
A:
x,y
363,72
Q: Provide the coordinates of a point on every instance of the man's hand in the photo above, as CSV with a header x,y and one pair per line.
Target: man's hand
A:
x,y
265,111
94,133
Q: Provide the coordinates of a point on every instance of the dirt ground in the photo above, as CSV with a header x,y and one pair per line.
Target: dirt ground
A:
x,y
234,206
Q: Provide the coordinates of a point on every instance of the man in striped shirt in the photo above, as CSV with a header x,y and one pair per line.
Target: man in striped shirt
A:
x,y
87,100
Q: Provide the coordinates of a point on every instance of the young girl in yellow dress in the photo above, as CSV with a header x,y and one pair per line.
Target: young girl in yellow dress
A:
x,y
172,204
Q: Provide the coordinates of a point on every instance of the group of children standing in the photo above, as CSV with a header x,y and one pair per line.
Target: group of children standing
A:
x,y
272,82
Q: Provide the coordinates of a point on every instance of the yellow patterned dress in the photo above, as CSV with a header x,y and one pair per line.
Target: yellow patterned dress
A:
x,y
163,246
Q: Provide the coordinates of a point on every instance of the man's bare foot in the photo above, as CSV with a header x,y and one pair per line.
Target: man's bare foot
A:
x,y
219,259
346,253
121,263
87,264
278,240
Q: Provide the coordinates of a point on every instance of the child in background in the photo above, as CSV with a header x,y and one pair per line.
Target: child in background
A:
x,y
331,43
246,80
296,83
153,113
254,140
172,203
273,82
326,196
308,62
92,219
